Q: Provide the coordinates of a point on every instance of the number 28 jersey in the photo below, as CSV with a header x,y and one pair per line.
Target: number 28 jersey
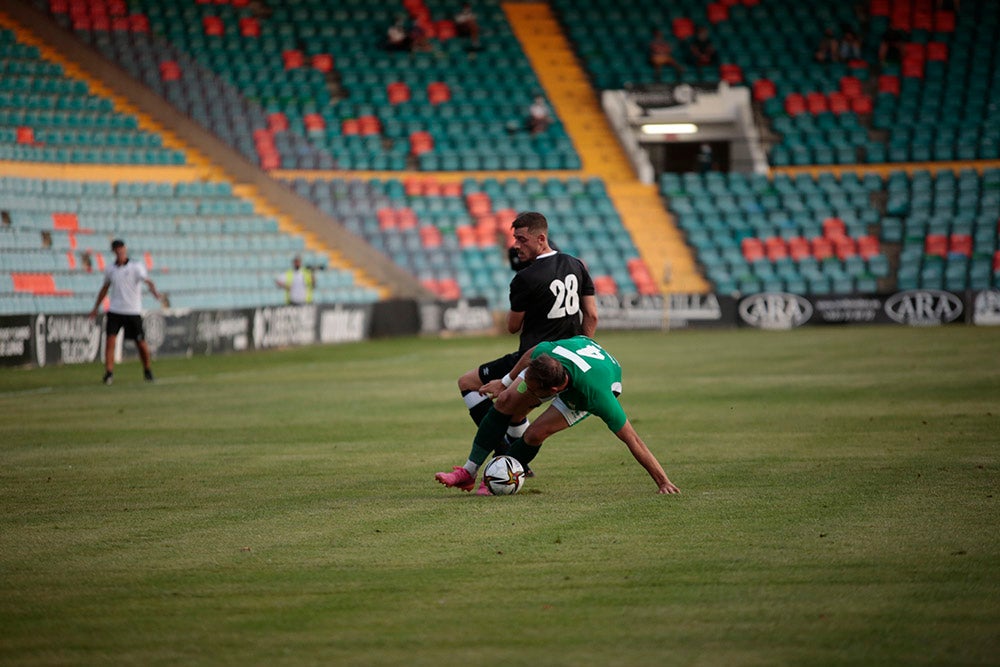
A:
x,y
548,292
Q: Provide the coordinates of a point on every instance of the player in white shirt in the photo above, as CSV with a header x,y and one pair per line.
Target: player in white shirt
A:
x,y
123,281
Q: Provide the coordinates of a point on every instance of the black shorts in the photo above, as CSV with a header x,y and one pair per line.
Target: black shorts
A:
x,y
496,369
131,323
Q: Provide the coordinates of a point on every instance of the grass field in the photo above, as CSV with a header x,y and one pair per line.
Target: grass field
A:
x,y
839,506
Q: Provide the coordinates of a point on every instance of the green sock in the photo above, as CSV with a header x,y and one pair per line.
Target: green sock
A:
x,y
489,436
523,452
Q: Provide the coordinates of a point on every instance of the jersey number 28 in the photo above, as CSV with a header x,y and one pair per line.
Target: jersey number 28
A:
x,y
567,293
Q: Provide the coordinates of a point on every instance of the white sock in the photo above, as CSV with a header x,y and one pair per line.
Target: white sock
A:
x,y
471,467
516,431
474,398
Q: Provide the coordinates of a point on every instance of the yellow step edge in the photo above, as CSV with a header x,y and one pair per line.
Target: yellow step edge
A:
x,y
574,100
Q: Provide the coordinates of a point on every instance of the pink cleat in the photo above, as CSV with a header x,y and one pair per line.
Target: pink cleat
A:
x,y
459,477
483,490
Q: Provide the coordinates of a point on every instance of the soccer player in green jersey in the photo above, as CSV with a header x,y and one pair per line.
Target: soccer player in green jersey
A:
x,y
580,378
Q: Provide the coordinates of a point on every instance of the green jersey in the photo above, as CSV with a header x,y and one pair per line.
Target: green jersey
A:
x,y
595,378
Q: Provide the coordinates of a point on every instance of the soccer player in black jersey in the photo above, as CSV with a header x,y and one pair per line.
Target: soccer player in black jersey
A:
x,y
551,298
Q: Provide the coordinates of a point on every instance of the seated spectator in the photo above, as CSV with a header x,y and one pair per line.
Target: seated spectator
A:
x,y
890,50
419,40
850,46
466,24
396,37
539,117
828,50
661,53
703,52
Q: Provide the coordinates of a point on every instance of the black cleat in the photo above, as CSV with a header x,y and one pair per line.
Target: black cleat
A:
x,y
109,378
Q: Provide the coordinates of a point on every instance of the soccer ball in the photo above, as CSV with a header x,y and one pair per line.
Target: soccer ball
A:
x,y
503,476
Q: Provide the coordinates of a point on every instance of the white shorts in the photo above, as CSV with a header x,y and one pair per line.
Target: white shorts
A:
x,y
571,416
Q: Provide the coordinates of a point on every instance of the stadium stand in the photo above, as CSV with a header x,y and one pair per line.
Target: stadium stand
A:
x,y
935,103
307,86
901,189
840,235
453,236
203,246
47,116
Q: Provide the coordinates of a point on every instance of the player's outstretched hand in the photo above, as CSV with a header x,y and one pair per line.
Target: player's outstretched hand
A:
x,y
668,487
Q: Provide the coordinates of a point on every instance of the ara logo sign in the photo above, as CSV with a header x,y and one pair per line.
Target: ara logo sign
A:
x,y
775,310
923,307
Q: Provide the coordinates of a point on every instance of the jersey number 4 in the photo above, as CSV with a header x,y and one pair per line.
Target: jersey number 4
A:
x,y
567,293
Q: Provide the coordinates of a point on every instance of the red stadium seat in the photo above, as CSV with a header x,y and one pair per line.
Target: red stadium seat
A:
x,y
397,92
683,28
277,121
817,103
798,248
775,248
763,90
795,104
862,105
438,92
834,228
822,247
314,122
937,51
65,222
293,59
369,125
936,244
717,12
322,62
731,74
960,244
421,142
445,29
869,246
913,68
851,87
839,103
212,25
844,247
349,127
753,249
944,21
888,83
249,27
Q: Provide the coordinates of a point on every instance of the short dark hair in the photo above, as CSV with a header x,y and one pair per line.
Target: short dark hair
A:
x,y
532,221
117,243
546,371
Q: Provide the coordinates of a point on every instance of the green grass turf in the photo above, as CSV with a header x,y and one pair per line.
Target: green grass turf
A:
x,y
839,506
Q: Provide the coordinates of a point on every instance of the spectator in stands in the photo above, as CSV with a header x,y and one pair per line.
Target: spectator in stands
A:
x,y
396,37
703,52
890,50
298,283
123,280
828,50
419,40
850,46
539,116
466,25
661,54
